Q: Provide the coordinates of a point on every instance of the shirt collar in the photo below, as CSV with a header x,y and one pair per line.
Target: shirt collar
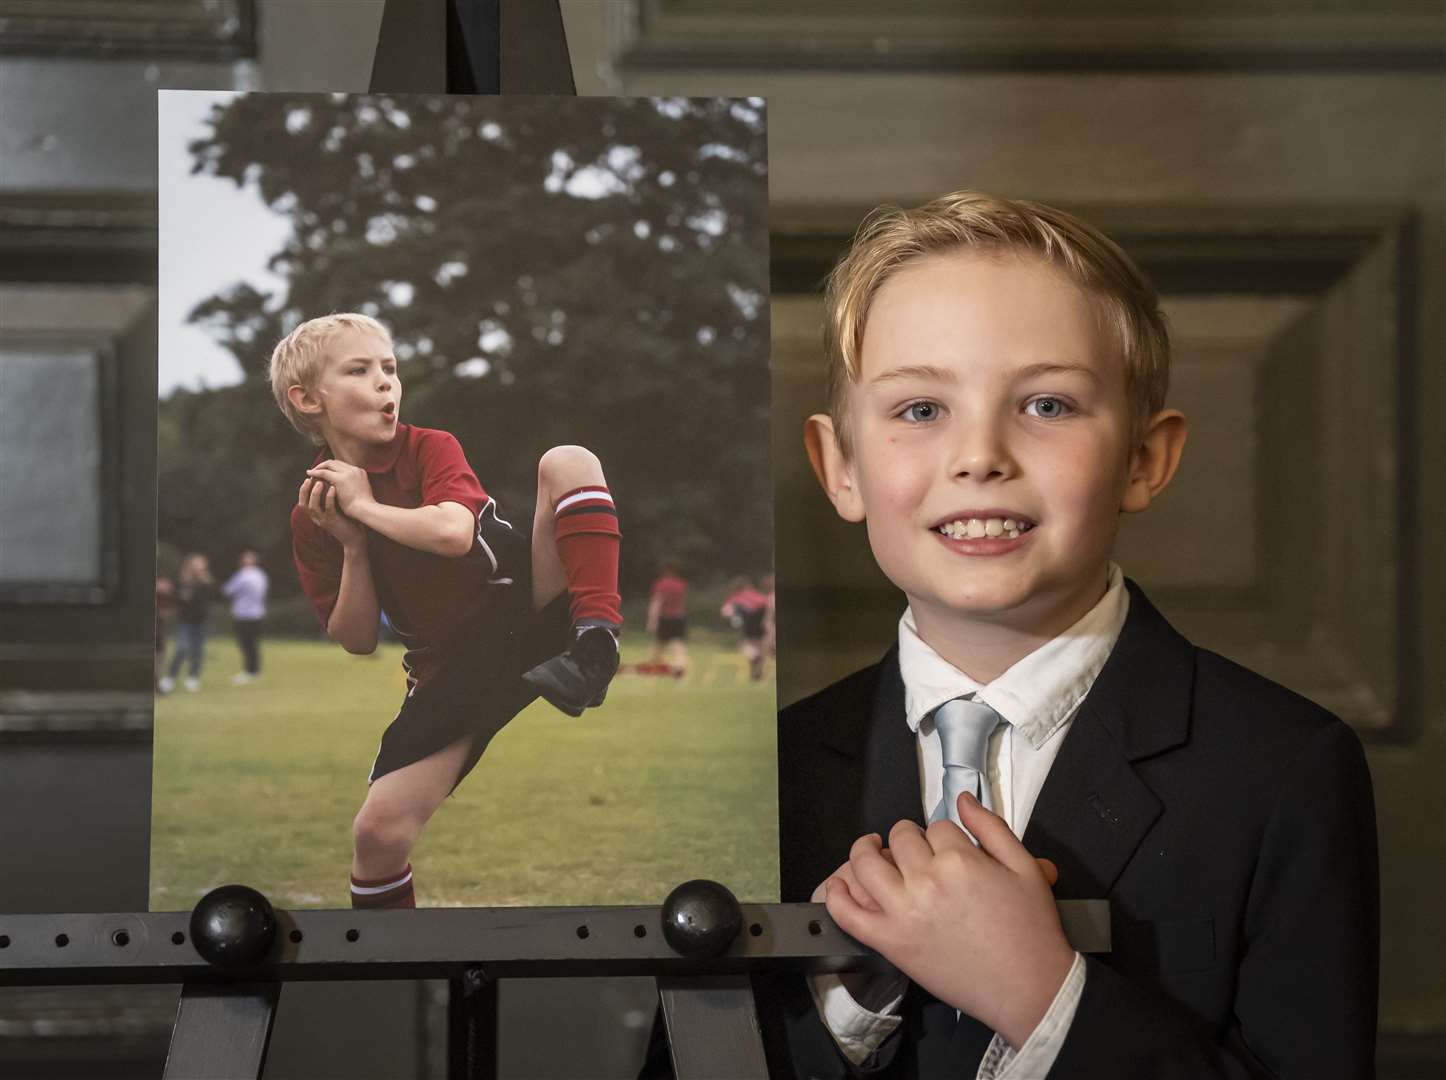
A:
x,y
387,462
1041,691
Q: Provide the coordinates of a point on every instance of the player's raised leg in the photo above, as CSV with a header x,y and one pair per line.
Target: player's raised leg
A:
x,y
575,540
397,807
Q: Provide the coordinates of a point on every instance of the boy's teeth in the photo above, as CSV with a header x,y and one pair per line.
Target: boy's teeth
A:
x,y
977,528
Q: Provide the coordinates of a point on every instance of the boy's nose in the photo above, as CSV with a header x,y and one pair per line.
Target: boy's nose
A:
x,y
981,453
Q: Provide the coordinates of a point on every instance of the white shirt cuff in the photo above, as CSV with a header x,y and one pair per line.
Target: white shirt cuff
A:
x,y
857,1031
1036,1057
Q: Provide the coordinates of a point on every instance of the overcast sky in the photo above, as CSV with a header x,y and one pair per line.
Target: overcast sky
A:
x,y
212,235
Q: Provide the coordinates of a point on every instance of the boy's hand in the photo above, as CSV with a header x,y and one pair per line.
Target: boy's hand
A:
x,y
976,927
349,482
319,500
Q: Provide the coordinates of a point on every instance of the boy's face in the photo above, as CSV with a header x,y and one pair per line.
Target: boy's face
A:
x,y
988,391
358,395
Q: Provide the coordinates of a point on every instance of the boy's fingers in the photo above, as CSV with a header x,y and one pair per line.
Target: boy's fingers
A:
x,y
860,894
874,873
852,918
995,837
911,852
944,835
1050,871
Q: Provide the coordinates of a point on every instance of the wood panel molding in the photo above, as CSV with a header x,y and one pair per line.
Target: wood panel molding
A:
x,y
149,29
937,35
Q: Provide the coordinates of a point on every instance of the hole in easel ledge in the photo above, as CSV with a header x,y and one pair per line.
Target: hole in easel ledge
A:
x,y
178,938
295,936
640,930
353,934
62,940
756,929
815,927
4,941
583,931
121,938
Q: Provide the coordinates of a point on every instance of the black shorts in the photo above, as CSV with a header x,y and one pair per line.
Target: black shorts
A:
x,y
753,619
480,688
672,628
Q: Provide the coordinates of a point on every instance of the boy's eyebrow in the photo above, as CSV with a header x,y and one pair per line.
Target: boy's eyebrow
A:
x,y
1030,371
915,371
939,374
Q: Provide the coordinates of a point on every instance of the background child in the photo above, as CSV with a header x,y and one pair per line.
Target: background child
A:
x,y
747,610
194,591
246,589
997,377
668,619
392,517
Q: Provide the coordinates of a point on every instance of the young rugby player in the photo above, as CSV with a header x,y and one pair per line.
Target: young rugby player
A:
x,y
392,518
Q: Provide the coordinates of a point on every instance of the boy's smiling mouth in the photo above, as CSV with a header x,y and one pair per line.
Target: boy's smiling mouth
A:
x,y
984,525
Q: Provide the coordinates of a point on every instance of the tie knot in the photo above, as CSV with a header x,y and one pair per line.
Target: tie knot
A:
x,y
964,728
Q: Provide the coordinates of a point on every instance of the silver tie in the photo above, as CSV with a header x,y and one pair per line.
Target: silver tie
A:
x,y
964,728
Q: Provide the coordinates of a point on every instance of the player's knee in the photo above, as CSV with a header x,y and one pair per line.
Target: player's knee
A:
x,y
382,830
568,465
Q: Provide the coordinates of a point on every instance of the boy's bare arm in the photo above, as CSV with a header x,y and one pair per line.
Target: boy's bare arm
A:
x,y
976,927
354,619
446,529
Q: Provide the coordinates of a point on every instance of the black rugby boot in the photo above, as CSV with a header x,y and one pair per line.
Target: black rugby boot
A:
x,y
578,679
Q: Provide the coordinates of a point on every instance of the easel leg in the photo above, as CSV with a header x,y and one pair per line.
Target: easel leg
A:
x,y
712,1028
472,1027
222,1031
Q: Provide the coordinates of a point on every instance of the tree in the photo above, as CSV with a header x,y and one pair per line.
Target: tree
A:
x,y
552,269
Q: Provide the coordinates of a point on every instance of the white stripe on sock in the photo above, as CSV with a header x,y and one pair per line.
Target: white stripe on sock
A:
x,y
372,890
594,494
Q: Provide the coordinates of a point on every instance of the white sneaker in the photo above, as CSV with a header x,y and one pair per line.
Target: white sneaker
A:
x,y
241,678
166,685
193,685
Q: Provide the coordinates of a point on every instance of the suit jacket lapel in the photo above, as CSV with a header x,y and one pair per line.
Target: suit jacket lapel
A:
x,y
891,759
869,776
1093,810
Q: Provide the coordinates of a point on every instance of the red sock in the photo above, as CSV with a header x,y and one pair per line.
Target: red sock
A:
x,y
389,892
586,530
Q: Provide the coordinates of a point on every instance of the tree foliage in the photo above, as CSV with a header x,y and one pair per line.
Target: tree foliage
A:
x,y
553,270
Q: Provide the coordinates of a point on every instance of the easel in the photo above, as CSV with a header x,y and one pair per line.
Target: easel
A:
x,y
232,953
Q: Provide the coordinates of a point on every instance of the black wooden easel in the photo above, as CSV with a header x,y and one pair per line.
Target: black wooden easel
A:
x,y
232,961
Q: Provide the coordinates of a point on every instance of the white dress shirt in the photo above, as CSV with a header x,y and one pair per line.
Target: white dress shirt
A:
x,y
1038,697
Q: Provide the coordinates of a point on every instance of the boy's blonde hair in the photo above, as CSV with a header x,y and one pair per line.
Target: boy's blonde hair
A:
x,y
891,237
298,358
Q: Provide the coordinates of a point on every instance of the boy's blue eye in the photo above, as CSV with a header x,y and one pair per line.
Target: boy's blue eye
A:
x,y
921,412
1047,408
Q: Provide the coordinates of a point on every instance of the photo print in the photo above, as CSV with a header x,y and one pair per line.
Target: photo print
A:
x,y
464,590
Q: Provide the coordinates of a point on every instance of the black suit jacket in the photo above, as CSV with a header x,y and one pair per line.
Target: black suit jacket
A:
x,y
1229,822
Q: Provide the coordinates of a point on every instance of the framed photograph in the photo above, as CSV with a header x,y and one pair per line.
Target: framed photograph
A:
x,y
463,430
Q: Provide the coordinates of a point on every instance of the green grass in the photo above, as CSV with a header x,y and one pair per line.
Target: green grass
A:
x,y
668,781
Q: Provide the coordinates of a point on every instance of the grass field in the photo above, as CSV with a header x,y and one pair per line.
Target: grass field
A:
x,y
668,781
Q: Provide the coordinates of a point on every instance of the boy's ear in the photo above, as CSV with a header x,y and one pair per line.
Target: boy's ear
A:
x,y
1155,459
832,467
302,400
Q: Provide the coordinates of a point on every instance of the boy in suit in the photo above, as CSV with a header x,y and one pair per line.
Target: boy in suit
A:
x,y
996,388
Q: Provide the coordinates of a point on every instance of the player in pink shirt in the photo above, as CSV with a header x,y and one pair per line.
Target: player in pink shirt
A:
x,y
747,609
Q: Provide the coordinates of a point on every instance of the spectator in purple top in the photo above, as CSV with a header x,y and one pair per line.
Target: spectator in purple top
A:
x,y
246,589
